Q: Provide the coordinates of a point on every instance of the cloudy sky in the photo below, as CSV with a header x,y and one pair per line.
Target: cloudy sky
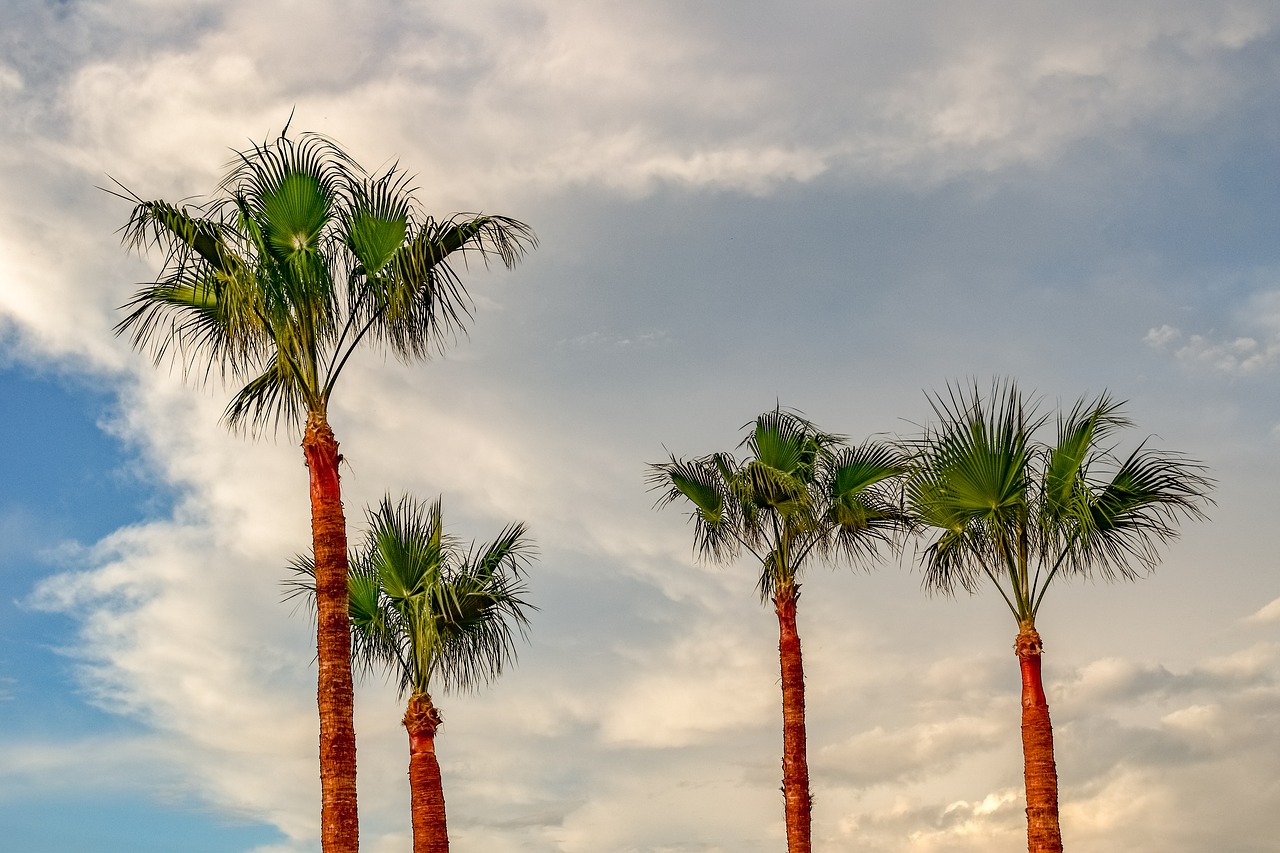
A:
x,y
833,205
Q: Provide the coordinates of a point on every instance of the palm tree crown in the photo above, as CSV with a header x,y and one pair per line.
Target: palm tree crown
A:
x,y
302,257
799,492
1021,511
423,606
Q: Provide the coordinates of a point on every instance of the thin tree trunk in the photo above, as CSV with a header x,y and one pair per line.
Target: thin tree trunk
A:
x,y
339,822
795,763
426,791
1043,832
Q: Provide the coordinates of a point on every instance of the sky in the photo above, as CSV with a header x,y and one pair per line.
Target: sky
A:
x,y
839,207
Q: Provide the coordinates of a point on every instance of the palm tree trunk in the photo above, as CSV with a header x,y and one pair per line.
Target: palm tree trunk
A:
x,y
339,822
426,791
1043,832
795,763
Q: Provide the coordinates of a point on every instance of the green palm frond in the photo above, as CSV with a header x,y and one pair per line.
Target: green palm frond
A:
x,y
420,300
277,395
1130,517
1081,433
957,559
376,222
295,213
511,552
180,318
704,483
178,233
864,493
198,310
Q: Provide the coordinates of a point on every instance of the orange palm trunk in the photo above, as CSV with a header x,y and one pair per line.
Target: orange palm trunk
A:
x,y
1043,832
795,763
426,791
339,822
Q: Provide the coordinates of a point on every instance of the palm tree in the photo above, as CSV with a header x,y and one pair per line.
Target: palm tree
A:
x,y
300,258
1005,507
422,606
798,494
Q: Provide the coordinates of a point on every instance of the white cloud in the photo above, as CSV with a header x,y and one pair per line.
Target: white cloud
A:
x,y
715,678
1242,355
1266,614
10,80
1162,336
881,756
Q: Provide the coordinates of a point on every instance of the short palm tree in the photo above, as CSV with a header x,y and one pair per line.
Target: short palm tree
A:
x,y
301,258
1002,505
422,606
799,494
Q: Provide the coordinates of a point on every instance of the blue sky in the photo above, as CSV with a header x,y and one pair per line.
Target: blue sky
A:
x,y
839,207
69,483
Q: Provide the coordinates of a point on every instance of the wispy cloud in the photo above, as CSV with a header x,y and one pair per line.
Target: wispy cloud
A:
x,y
1239,355
601,340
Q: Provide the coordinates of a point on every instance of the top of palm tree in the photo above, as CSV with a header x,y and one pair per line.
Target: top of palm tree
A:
x,y
797,491
300,257
428,607
1018,509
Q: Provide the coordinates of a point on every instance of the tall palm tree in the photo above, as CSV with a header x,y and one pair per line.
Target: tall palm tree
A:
x,y
1002,505
422,606
799,494
300,258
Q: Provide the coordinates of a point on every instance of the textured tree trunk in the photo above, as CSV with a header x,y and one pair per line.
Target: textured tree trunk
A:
x,y
426,791
339,822
1043,833
795,763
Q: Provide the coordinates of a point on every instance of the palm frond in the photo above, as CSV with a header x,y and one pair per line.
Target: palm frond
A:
x,y
864,499
273,397
1130,517
703,484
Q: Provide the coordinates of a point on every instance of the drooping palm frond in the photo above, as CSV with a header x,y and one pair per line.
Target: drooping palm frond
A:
x,y
199,310
864,493
704,483
1128,518
422,302
278,395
